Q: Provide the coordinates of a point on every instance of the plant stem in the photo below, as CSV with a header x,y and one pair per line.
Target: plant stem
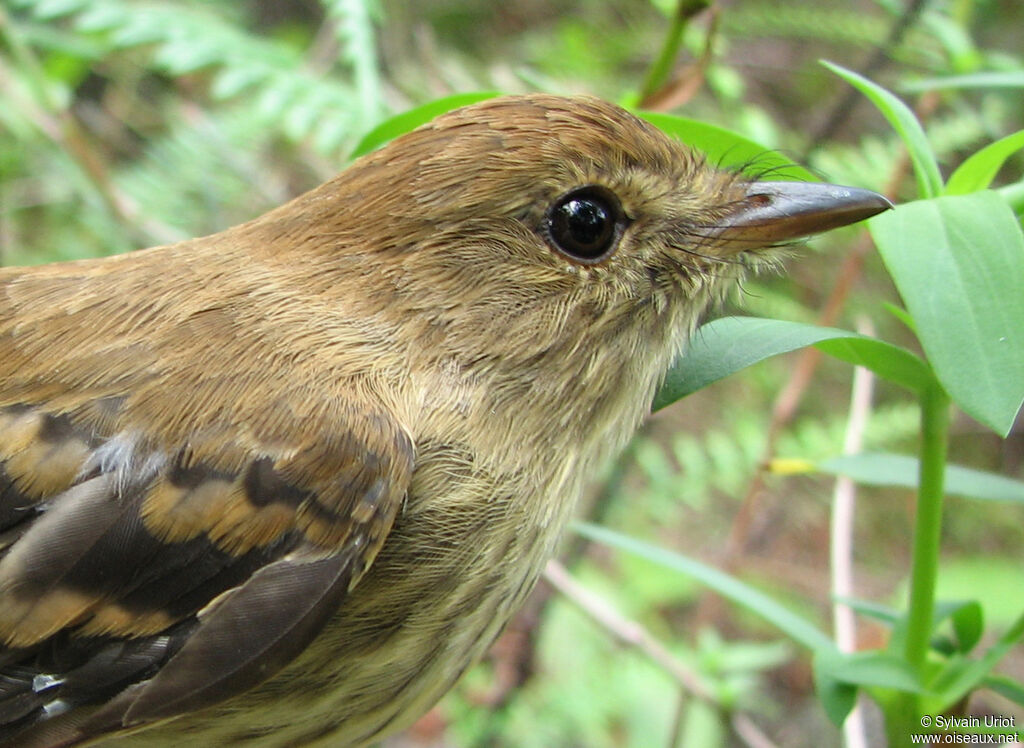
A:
x,y
659,71
903,715
928,524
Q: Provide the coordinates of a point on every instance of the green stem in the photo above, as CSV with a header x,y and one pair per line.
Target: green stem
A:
x,y
662,67
903,714
928,526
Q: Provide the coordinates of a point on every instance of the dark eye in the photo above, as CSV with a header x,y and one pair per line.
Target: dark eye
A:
x,y
585,224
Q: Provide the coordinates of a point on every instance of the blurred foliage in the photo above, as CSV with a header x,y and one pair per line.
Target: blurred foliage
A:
x,y
126,123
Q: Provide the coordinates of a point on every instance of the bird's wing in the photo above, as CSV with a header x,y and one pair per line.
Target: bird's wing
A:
x,y
150,575
163,585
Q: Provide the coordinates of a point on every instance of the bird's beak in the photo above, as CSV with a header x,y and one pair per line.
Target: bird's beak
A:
x,y
775,212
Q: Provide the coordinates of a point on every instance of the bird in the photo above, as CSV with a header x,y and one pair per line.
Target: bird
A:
x,y
281,485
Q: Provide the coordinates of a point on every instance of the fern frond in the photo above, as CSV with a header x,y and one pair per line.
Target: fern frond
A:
x,y
182,39
354,27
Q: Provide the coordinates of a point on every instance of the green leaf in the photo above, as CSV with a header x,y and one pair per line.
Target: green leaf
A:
x,y
869,669
978,171
958,263
902,315
902,119
967,620
799,629
884,614
402,123
837,676
727,345
882,469
884,359
1004,79
953,683
728,149
1006,687
968,624
836,698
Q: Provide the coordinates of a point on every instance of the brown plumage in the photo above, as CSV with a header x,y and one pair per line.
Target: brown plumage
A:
x,y
281,485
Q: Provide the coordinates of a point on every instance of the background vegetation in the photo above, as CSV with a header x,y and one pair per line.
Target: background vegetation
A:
x,y
125,124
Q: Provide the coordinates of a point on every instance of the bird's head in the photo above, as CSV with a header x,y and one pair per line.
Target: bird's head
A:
x,y
555,235
567,207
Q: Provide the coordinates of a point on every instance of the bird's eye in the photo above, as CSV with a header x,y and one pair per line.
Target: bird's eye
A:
x,y
585,224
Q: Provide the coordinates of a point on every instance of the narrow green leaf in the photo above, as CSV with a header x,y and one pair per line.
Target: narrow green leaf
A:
x,y
727,345
903,121
879,469
728,149
958,263
799,629
1006,687
996,79
402,123
869,669
902,315
884,359
978,171
869,609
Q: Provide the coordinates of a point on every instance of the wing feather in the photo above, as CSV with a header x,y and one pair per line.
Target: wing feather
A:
x,y
276,613
186,494
95,569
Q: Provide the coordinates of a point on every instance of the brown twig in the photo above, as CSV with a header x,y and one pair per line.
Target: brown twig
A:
x,y
628,632
750,733
844,497
678,720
